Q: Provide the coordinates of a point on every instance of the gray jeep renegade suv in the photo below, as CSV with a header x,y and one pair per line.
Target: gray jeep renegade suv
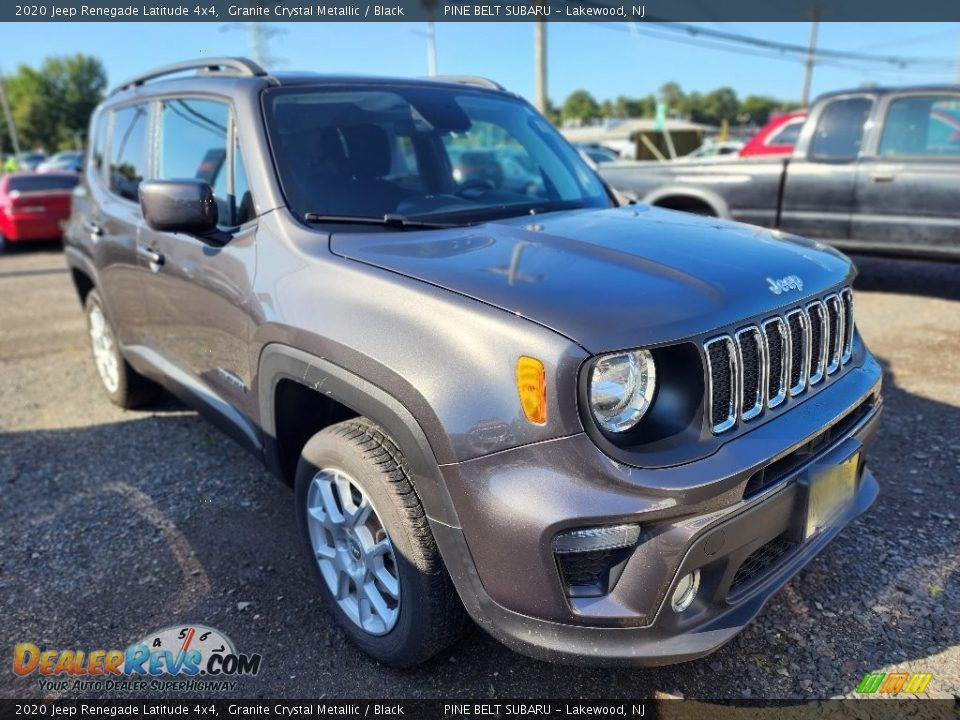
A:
x,y
607,434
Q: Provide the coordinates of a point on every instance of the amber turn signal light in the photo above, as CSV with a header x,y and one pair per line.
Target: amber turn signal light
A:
x,y
532,386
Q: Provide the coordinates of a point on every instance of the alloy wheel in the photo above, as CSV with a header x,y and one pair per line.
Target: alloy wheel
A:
x,y
104,349
353,551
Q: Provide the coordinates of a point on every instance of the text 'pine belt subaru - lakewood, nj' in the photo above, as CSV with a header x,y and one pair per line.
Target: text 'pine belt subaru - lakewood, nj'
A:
x,y
607,434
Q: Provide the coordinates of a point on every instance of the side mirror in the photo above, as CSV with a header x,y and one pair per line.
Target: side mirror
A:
x,y
181,206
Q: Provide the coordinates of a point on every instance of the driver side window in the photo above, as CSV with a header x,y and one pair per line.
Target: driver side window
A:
x,y
840,130
194,142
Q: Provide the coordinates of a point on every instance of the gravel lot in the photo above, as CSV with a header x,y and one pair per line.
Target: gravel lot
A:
x,y
113,524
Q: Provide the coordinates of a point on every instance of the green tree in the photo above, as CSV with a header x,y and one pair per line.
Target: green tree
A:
x,y
580,105
553,113
672,94
694,108
711,108
51,106
721,104
627,107
757,109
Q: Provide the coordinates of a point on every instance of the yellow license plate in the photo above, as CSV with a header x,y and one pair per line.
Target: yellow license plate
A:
x,y
831,491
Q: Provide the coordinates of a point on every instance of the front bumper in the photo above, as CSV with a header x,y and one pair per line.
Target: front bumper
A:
x,y
694,516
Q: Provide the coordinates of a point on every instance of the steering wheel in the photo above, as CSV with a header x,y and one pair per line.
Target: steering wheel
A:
x,y
475,188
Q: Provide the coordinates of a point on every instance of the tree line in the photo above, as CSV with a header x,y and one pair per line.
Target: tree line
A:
x,y
51,105
710,108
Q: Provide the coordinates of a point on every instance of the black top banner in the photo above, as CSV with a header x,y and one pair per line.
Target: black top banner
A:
x,y
494,11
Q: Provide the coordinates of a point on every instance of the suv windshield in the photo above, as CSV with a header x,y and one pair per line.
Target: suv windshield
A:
x,y
457,155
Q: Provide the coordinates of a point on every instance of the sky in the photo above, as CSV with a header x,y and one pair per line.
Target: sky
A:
x,y
607,61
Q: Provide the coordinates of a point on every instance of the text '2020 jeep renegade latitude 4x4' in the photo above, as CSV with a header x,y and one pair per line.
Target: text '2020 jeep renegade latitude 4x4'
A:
x,y
608,434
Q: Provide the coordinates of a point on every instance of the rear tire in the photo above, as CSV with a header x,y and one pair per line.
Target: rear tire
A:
x,y
370,545
122,384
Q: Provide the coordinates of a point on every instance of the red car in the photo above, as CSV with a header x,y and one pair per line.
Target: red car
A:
x,y
777,137
34,206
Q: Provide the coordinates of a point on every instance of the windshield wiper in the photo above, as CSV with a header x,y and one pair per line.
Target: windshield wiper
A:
x,y
388,220
493,213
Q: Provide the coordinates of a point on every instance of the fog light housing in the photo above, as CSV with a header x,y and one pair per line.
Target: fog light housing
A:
x,y
598,538
591,560
685,592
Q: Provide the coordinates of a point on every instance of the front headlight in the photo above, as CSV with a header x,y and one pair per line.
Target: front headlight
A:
x,y
621,389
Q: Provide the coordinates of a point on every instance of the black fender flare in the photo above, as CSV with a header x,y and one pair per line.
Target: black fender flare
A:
x,y
77,261
281,362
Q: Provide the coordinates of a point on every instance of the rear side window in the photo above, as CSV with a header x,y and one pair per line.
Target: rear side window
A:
x,y
128,151
922,126
840,130
193,145
39,183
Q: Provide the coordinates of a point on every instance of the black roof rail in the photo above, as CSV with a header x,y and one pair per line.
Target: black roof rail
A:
x,y
469,80
238,65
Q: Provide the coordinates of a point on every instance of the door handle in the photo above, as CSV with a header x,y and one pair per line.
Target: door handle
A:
x,y
96,232
881,178
154,259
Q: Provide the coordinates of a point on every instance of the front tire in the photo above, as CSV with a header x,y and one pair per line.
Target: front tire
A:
x,y
122,384
378,566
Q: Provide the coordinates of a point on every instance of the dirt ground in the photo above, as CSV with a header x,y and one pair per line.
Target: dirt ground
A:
x,y
114,523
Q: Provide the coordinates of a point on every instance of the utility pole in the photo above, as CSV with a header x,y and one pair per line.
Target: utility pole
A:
x,y
540,65
811,55
258,41
431,50
11,128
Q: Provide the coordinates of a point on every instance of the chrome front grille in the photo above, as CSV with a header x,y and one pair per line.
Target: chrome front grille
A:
x,y
778,360
752,359
722,368
798,327
761,366
817,314
846,298
835,334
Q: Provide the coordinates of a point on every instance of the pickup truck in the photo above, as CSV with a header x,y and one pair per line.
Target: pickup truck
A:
x,y
874,170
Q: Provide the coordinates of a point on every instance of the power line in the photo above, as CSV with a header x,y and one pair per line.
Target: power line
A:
x,y
802,49
706,37
913,40
757,47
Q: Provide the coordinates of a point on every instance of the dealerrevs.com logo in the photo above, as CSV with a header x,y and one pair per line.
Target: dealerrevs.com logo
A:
x,y
193,657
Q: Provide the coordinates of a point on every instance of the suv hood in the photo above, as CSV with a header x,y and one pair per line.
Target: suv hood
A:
x,y
610,279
